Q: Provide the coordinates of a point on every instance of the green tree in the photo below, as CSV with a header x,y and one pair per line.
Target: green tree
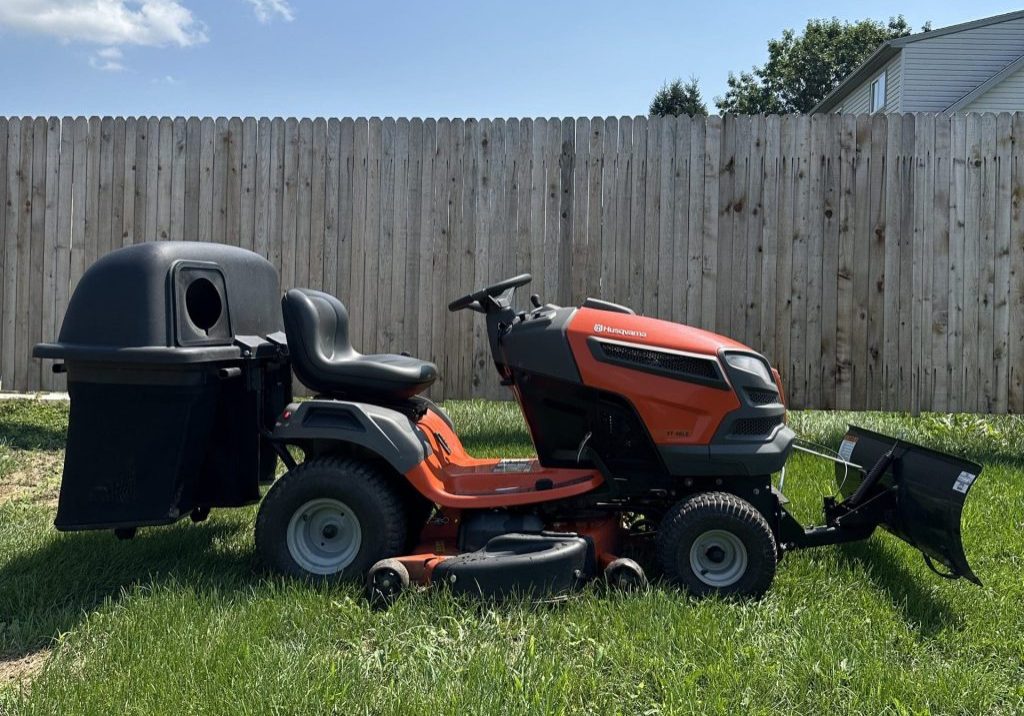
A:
x,y
803,68
676,97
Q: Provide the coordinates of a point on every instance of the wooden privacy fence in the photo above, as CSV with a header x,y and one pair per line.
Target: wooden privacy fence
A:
x,y
878,261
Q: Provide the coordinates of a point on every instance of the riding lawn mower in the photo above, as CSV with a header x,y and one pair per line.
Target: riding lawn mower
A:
x,y
656,443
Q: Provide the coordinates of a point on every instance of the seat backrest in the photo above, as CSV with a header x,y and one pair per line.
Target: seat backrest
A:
x,y
316,324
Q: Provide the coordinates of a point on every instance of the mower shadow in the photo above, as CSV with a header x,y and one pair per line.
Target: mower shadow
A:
x,y
21,436
907,592
50,590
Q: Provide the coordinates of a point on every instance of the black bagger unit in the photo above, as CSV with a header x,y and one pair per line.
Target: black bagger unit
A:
x,y
176,369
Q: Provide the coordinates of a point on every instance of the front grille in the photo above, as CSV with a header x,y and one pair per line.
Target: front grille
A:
x,y
671,362
760,396
756,426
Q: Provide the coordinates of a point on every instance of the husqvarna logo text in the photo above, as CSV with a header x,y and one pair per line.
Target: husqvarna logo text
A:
x,y
601,328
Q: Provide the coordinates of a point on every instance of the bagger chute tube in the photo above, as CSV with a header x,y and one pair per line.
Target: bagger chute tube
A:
x,y
656,443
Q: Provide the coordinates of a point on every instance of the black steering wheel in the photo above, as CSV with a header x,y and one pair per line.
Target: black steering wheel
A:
x,y
475,300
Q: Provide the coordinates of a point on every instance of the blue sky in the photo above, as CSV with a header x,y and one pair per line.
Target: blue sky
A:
x,y
442,58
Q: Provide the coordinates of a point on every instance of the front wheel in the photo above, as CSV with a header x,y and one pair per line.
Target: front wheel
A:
x,y
717,543
330,519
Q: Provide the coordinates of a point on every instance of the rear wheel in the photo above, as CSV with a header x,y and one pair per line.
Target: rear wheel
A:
x,y
330,519
717,543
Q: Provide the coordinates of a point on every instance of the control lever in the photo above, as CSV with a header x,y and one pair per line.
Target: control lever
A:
x,y
535,300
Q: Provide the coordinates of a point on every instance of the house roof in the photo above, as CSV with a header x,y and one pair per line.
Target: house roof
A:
x,y
888,49
986,85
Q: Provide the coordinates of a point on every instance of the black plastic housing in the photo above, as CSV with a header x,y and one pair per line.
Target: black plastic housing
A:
x,y
172,382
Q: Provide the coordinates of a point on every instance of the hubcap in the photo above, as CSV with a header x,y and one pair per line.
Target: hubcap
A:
x,y
324,536
718,558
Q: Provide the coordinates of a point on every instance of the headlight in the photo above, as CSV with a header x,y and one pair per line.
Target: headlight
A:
x,y
751,364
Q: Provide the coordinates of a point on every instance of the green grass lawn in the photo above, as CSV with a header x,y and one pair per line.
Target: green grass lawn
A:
x,y
183,619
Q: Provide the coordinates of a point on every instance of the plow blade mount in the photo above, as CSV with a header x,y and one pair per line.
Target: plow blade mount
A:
x,y
914,492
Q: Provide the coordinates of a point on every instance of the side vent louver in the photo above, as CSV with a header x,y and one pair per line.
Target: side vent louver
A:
x,y
661,362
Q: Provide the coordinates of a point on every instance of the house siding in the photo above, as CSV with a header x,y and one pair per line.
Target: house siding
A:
x,y
1007,96
939,71
859,99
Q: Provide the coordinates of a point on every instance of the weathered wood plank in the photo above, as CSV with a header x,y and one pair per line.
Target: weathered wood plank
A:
x,y
289,196
1002,241
423,139
346,169
817,171
726,181
609,160
710,218
6,380
332,236
566,160
648,258
24,249
395,272
261,189
233,183
128,194
441,249
303,202
769,238
754,210
247,200
845,271
830,261
360,243
193,172
797,385
221,168
907,199
12,216
1015,399
51,256
179,142
78,200
580,285
788,166
164,180
36,261
875,383
924,383
737,303
383,330
62,240
106,186
957,361
412,293
153,192
317,204
207,142
373,236
972,265
680,243
938,329
891,265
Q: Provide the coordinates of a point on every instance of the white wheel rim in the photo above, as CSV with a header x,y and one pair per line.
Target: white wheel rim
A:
x,y
324,536
718,558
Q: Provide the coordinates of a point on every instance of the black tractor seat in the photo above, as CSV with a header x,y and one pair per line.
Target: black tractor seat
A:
x,y
316,324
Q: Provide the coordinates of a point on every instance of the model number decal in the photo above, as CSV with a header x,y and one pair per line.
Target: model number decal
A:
x,y
601,328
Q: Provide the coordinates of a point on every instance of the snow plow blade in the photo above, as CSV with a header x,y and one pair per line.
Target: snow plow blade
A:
x,y
913,492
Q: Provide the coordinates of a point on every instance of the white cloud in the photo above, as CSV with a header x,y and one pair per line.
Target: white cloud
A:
x,y
107,59
266,10
107,22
